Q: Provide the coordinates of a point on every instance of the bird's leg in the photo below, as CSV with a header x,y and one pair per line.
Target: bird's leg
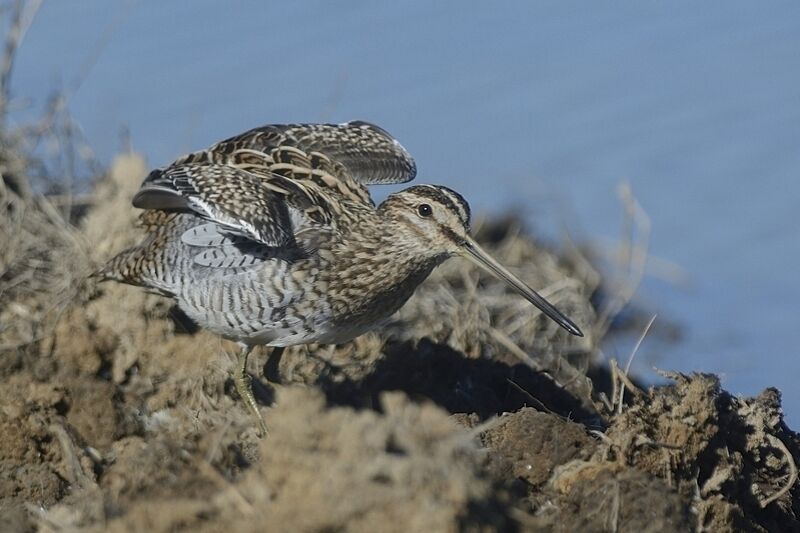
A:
x,y
245,389
272,369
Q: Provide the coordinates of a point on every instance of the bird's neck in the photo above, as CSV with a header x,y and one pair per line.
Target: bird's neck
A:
x,y
376,273
385,255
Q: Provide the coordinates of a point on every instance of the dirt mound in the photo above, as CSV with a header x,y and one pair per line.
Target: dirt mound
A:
x,y
116,413
679,457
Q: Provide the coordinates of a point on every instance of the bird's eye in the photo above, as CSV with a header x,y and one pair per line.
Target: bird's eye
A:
x,y
424,210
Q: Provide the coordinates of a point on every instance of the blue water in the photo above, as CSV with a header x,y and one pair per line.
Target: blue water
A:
x,y
543,106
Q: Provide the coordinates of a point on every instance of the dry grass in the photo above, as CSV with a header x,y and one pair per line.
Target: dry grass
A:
x,y
42,262
134,424
113,417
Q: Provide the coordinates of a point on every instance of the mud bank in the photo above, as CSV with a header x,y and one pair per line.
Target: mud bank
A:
x,y
467,411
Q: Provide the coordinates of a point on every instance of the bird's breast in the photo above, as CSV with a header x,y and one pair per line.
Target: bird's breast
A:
x,y
367,289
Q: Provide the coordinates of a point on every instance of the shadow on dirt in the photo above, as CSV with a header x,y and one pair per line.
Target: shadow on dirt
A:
x,y
457,383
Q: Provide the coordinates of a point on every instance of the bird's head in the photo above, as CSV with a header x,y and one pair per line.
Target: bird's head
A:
x,y
436,220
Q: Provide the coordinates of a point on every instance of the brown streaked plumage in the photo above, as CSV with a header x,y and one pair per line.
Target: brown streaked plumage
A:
x,y
271,237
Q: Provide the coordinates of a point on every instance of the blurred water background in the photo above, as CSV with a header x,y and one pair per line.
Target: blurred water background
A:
x,y
539,107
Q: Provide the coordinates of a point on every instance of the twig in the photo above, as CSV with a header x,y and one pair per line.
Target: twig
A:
x,y
21,20
627,384
638,344
630,361
614,384
512,347
667,465
602,436
778,443
74,468
635,256
606,402
533,399
615,505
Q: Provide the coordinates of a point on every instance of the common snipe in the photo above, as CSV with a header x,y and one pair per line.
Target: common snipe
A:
x,y
271,237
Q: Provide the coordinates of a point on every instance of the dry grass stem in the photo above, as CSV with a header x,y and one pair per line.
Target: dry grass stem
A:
x,y
792,479
633,257
624,375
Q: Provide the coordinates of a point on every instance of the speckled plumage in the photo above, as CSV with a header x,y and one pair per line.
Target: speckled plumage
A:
x,y
280,246
271,237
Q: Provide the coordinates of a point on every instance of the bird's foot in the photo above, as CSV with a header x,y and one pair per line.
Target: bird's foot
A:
x,y
244,387
245,390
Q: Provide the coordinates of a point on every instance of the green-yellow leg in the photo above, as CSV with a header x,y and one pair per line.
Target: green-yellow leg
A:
x,y
245,389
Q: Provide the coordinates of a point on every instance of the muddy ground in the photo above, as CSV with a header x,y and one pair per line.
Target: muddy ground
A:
x,y
467,411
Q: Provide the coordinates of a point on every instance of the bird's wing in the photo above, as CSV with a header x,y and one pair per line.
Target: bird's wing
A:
x,y
240,202
368,153
280,185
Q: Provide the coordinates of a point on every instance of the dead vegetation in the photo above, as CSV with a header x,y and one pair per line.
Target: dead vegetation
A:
x,y
467,411
117,415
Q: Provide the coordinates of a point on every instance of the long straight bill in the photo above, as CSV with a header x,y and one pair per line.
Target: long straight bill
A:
x,y
477,255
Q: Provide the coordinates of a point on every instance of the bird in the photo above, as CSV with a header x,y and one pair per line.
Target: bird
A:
x,y
271,238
